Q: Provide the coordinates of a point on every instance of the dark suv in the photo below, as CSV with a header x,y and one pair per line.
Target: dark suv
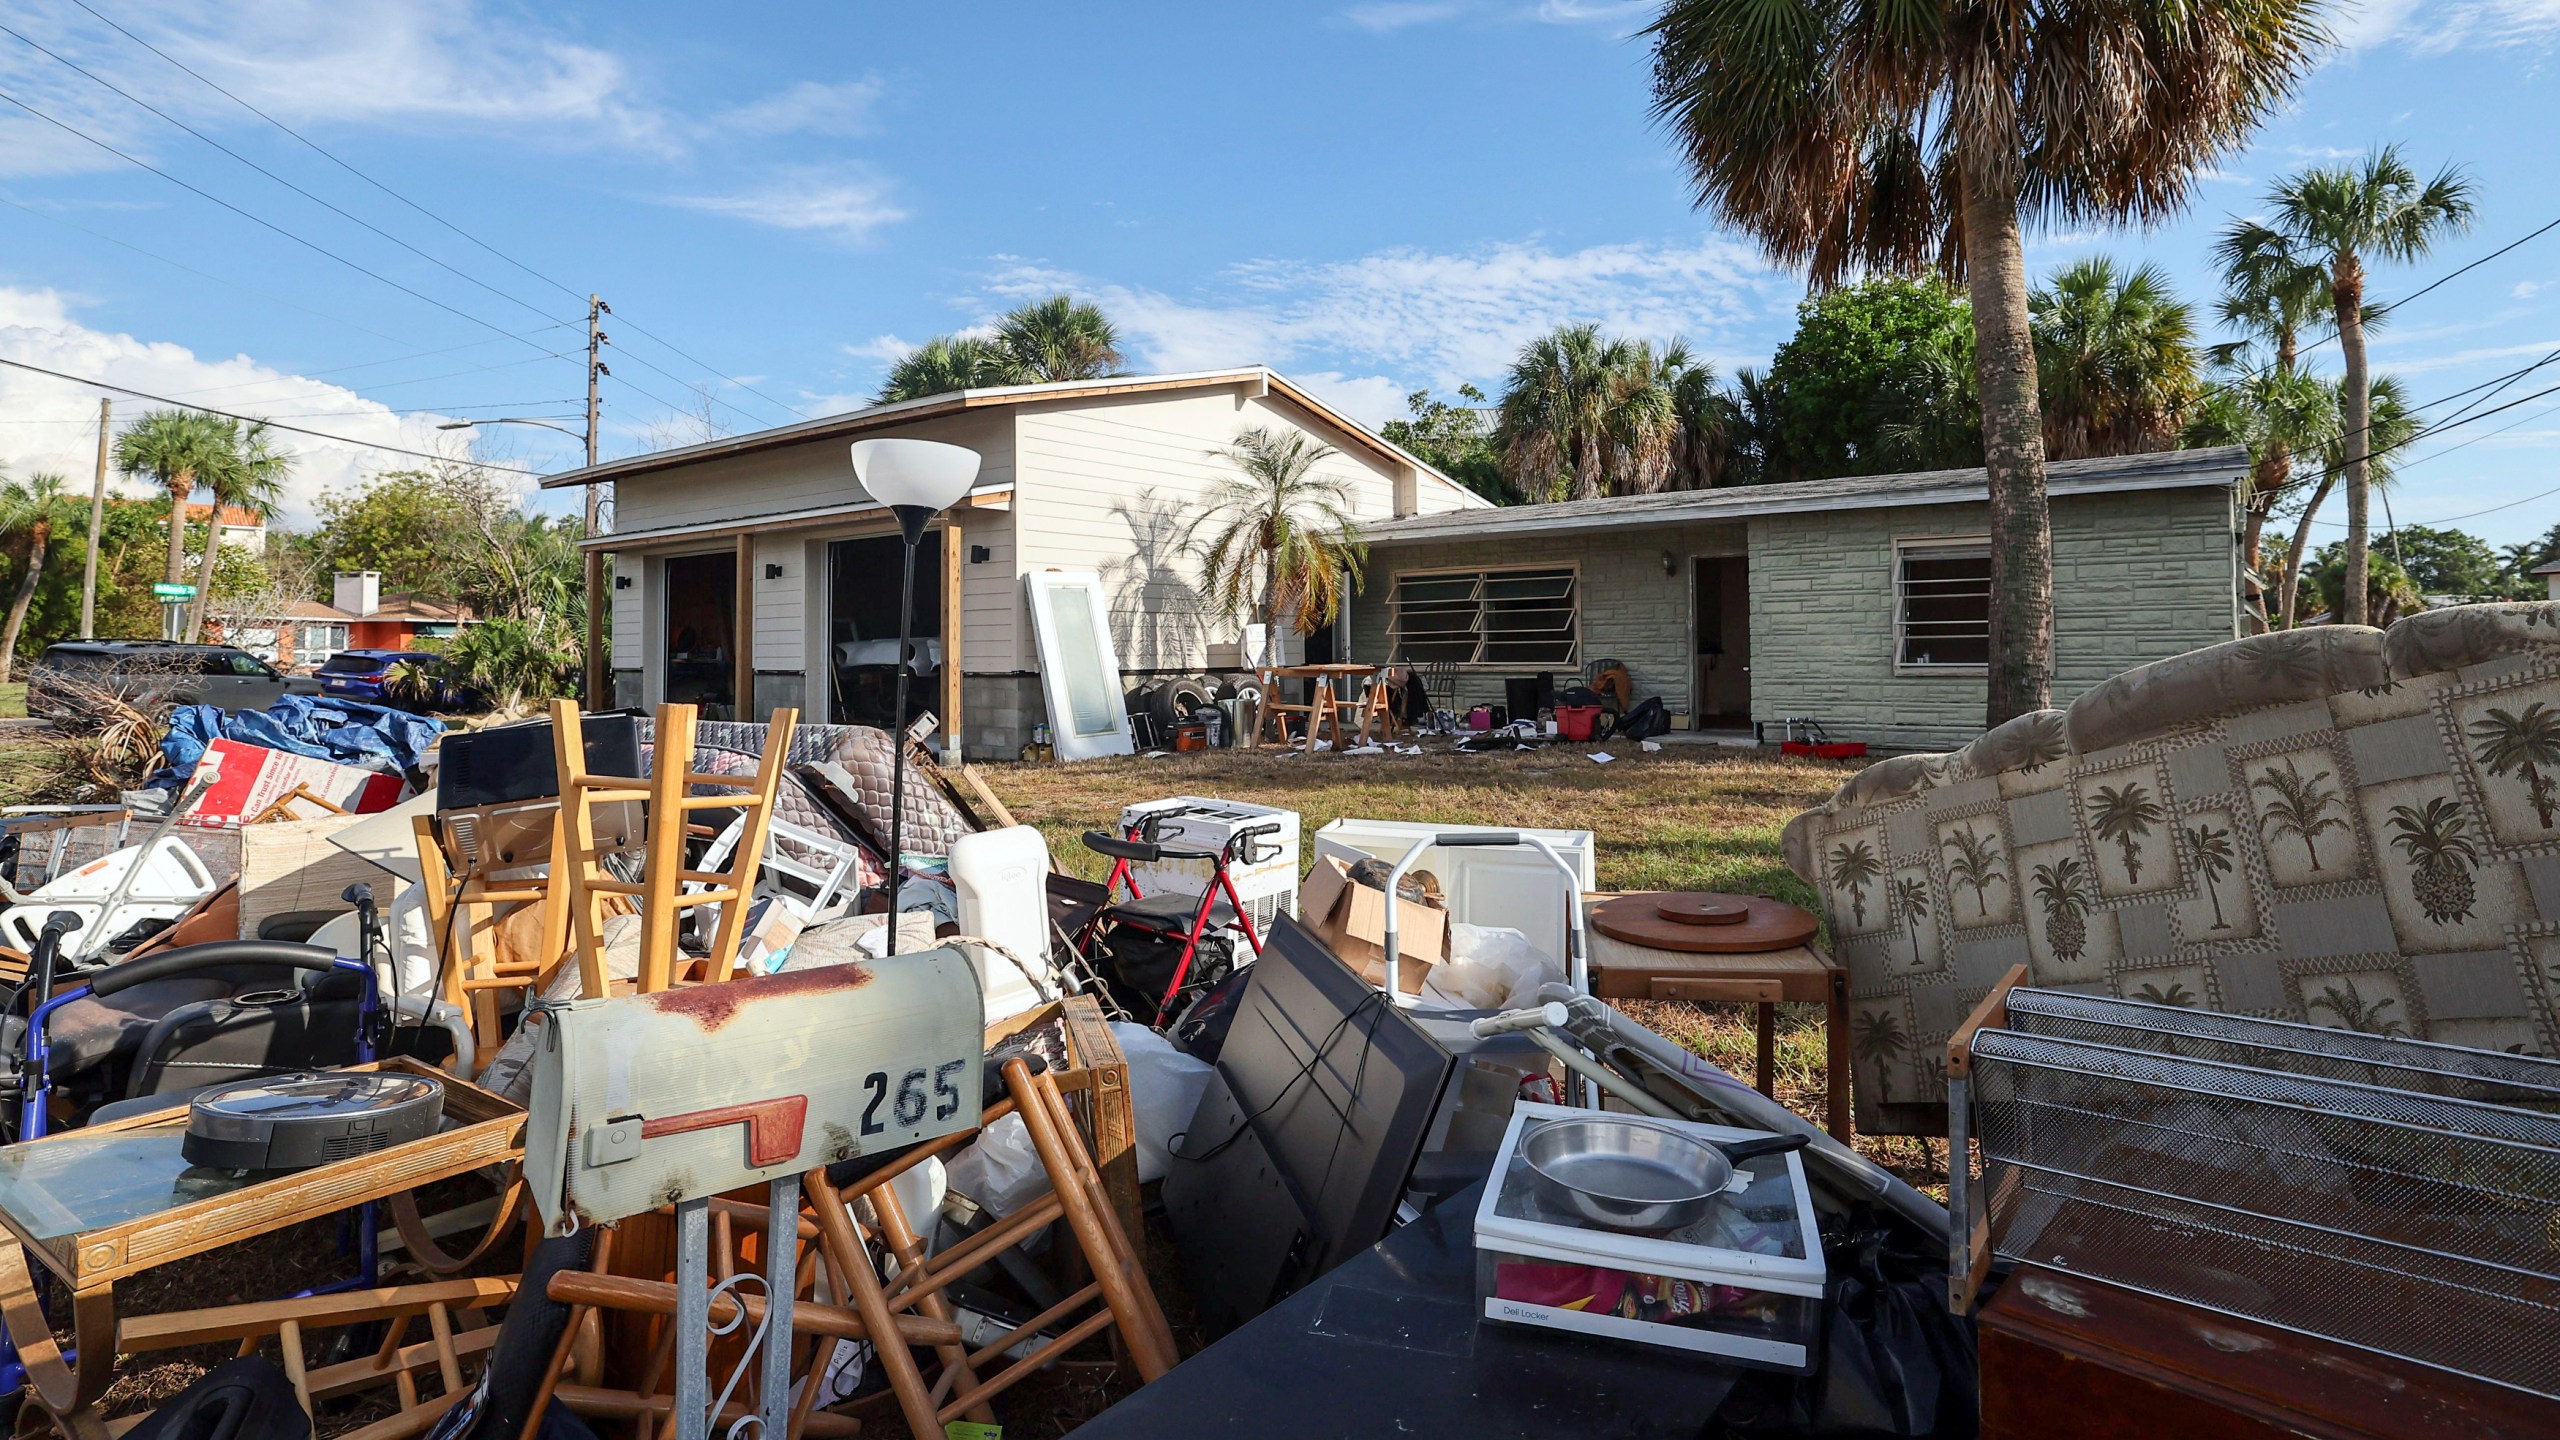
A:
x,y
147,672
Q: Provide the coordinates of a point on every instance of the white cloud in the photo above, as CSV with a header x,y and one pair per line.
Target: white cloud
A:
x,y
2527,289
886,349
52,424
843,201
1634,14
445,64
808,108
1372,400
2438,28
1397,14
1432,318
2470,357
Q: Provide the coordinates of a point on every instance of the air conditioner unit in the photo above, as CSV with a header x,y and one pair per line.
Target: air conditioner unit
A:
x,y
1269,890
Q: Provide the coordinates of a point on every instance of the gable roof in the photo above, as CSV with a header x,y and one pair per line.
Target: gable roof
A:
x,y
2160,470
1267,381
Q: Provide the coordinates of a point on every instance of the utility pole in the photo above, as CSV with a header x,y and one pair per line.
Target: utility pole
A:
x,y
599,685
97,518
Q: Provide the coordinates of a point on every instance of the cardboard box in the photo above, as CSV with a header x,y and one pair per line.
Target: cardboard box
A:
x,y
1351,919
254,777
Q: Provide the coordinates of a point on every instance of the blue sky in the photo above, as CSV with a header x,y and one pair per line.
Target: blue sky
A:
x,y
777,198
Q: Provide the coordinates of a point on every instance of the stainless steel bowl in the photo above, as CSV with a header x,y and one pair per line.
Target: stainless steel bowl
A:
x,y
1634,1175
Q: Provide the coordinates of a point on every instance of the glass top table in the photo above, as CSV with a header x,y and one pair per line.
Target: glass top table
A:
x,y
90,1180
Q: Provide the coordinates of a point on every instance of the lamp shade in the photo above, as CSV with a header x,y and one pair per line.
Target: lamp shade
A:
x,y
926,474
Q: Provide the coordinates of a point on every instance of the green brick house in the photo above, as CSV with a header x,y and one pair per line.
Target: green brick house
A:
x,y
1861,602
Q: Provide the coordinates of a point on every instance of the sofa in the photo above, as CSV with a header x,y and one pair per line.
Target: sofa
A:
x,y
2332,826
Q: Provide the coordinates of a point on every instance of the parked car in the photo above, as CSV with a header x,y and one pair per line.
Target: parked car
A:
x,y
148,672
364,675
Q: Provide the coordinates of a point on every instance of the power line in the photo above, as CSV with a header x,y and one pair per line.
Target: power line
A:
x,y
205,275
316,148
252,419
245,215
395,360
270,174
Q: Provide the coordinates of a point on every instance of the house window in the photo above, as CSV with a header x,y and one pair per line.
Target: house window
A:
x,y
1486,617
1942,609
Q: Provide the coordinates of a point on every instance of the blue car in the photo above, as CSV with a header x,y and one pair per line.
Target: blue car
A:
x,y
359,675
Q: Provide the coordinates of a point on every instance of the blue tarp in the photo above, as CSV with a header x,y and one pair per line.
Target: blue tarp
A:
x,y
350,732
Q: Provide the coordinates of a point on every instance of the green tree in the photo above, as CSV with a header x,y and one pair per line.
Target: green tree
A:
x,y
250,478
1281,538
1586,415
29,509
175,450
2272,290
2116,359
1874,379
2447,562
943,364
1455,440
1705,418
2390,426
2380,211
1847,137
1057,338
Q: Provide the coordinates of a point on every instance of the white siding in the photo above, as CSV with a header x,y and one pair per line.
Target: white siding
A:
x,y
728,490
1115,487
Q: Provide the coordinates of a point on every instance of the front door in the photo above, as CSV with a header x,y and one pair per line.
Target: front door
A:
x,y
702,622
1721,609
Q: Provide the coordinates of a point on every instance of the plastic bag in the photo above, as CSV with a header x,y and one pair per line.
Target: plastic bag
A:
x,y
1164,1088
1490,967
1000,1169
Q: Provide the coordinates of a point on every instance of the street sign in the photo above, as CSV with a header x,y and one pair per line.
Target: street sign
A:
x,y
166,591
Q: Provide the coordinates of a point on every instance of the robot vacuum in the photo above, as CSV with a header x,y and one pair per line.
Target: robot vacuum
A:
x,y
293,1122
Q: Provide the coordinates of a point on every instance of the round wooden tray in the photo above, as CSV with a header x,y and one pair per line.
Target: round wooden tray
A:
x,y
1700,923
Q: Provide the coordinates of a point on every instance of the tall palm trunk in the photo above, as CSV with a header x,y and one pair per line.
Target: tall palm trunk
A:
x,y
39,535
181,485
2021,670
2291,580
2357,413
204,574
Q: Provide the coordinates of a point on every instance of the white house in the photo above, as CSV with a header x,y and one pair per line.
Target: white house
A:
x,y
754,565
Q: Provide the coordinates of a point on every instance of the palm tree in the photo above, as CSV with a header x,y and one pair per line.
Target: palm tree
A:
x,y
2176,994
30,507
2302,805
251,478
1586,415
2378,210
1852,867
1912,893
2210,851
1850,137
1706,421
175,449
2389,426
2125,815
1284,540
2271,292
2276,414
942,364
2355,1012
1878,1038
2115,359
1060,338
1976,865
2522,742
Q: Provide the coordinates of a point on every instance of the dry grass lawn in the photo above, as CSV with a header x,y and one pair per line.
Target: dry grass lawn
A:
x,y
1689,817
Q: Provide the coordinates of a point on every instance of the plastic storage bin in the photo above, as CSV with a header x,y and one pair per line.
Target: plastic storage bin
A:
x,y
1743,1284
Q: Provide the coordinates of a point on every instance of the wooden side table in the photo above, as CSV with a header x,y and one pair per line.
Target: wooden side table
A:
x,y
1620,971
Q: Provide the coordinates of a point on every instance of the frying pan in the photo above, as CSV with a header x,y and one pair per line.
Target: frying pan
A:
x,y
1636,1176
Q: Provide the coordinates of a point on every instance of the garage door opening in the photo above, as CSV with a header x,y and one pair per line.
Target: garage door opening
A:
x,y
862,629
702,632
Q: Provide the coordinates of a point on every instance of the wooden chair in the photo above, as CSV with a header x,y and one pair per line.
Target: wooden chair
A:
x,y
662,888
1117,1291
465,917
458,1332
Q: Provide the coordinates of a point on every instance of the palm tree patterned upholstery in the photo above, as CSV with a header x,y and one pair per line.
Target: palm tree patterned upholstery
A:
x,y
2336,826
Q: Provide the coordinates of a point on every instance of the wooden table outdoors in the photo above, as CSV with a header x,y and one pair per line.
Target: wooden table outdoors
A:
x,y
1620,971
1321,707
97,1205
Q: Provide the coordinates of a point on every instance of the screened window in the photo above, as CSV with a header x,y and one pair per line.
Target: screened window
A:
x,y
1486,617
1943,611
